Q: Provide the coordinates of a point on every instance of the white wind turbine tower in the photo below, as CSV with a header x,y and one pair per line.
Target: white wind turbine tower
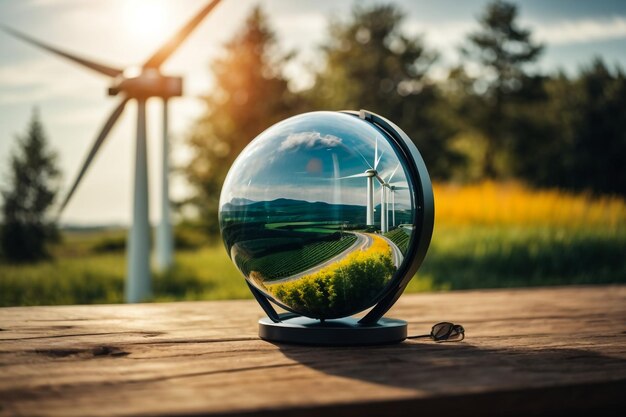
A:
x,y
391,190
383,209
139,84
370,174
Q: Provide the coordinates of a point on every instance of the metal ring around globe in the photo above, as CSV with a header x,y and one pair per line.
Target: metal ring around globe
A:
x,y
325,214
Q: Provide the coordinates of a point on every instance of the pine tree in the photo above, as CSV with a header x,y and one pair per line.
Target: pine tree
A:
x,y
502,50
250,94
370,63
578,137
32,187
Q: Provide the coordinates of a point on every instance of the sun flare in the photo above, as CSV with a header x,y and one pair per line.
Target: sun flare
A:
x,y
145,19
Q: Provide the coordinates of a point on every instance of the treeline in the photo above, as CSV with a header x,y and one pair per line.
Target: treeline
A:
x,y
490,118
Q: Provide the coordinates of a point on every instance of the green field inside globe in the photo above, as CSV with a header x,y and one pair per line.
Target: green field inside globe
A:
x,y
400,238
290,262
284,249
326,268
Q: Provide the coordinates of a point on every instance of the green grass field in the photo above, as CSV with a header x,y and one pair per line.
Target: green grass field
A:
x,y
400,238
460,257
499,257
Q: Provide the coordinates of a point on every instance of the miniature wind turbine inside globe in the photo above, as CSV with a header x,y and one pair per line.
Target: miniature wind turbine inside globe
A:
x,y
299,222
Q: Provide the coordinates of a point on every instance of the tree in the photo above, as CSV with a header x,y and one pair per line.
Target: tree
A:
x,y
579,137
596,130
250,94
502,50
370,63
32,186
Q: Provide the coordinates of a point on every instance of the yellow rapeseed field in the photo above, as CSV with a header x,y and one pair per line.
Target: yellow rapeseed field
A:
x,y
343,287
495,203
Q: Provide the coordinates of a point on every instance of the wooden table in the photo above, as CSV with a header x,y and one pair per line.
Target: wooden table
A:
x,y
558,351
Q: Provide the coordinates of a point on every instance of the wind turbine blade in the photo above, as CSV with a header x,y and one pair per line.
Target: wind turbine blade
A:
x,y
383,174
388,174
94,149
393,173
165,51
100,68
368,164
363,174
380,157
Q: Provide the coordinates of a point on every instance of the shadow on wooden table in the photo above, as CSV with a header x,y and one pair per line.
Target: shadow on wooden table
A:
x,y
476,380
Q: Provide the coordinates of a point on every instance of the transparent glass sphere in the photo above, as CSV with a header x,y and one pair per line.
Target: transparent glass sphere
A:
x,y
317,214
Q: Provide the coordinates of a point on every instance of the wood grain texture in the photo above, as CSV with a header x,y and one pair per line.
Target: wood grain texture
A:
x,y
555,351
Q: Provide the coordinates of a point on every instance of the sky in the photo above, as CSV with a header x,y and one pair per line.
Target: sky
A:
x,y
310,157
73,102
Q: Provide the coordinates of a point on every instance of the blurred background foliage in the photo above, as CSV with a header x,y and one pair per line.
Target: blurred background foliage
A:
x,y
491,118
528,166
251,93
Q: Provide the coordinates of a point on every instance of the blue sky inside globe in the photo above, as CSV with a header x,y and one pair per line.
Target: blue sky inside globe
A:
x,y
306,157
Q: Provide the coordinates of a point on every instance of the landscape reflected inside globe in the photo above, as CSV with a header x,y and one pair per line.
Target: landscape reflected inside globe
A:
x,y
317,214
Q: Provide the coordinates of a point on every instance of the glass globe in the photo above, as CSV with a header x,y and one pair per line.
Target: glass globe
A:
x,y
317,214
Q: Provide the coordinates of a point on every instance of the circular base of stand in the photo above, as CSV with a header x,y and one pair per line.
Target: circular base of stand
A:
x,y
337,332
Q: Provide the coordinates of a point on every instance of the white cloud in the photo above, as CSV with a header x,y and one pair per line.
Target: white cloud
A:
x,y
309,25
309,140
441,34
581,31
43,78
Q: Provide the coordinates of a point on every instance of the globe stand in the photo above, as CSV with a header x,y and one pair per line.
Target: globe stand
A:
x,y
346,331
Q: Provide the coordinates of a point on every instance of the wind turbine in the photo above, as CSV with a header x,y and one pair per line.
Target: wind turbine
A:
x,y
137,83
391,191
383,209
370,174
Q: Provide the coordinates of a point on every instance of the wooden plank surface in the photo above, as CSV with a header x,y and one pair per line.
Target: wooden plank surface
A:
x,y
527,352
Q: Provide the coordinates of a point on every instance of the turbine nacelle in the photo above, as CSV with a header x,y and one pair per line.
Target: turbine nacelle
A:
x,y
142,83
395,188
